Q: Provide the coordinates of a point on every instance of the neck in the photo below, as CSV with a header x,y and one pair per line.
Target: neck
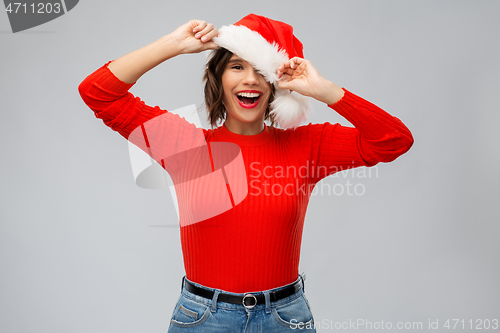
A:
x,y
244,128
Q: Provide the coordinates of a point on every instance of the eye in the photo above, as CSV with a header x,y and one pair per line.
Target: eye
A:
x,y
237,67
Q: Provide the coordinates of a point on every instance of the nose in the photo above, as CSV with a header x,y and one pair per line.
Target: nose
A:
x,y
251,77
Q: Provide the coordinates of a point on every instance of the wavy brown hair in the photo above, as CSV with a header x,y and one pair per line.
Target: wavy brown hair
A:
x,y
214,90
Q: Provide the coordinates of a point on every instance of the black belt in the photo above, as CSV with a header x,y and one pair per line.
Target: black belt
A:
x,y
249,300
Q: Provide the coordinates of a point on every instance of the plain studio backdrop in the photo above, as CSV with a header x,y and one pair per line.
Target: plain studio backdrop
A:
x,y
84,249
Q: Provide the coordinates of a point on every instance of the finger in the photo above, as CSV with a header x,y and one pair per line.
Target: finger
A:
x,y
301,68
208,28
288,71
208,37
286,77
296,61
284,67
290,64
201,25
280,69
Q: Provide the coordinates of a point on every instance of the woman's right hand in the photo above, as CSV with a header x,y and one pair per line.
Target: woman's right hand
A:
x,y
195,36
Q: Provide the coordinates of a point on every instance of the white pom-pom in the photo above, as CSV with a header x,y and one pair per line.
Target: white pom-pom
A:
x,y
290,109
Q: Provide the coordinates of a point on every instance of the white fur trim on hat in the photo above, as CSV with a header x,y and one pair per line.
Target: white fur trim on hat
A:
x,y
289,108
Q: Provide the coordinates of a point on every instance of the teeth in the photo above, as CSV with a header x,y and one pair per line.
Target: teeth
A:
x,y
249,95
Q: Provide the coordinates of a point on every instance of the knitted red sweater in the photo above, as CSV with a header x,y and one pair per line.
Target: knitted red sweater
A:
x,y
253,244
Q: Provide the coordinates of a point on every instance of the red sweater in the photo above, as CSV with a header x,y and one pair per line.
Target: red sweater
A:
x,y
251,241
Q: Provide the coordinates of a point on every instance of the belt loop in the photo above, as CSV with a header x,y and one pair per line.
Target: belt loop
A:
x,y
268,302
303,278
214,300
182,284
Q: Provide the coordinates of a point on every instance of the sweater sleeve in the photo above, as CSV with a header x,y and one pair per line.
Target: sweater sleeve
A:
x,y
376,137
161,134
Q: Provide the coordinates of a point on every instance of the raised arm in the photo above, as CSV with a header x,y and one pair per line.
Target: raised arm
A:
x,y
376,137
105,91
112,81
193,37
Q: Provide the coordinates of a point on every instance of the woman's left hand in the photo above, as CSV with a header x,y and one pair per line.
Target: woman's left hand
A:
x,y
300,75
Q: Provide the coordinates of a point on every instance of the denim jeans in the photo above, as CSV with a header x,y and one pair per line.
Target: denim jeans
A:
x,y
194,313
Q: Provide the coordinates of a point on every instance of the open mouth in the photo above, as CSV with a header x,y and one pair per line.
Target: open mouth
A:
x,y
248,100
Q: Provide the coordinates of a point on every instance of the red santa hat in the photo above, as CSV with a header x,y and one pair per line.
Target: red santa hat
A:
x,y
265,44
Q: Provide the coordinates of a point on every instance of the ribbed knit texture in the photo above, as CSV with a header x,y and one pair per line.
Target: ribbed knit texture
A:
x,y
255,245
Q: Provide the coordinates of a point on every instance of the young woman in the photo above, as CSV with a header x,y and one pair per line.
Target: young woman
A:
x,y
241,240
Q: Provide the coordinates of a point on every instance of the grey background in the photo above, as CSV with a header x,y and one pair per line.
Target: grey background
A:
x,y
82,248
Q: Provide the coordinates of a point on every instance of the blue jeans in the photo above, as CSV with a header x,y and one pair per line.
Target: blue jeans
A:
x,y
193,313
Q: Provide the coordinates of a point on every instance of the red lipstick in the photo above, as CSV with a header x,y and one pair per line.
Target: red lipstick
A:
x,y
249,106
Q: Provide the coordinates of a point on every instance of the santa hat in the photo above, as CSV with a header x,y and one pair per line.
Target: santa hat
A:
x,y
265,44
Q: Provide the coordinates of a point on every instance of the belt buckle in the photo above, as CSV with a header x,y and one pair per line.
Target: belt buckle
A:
x,y
247,296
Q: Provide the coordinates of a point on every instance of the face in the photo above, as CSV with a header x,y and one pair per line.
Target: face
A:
x,y
246,93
